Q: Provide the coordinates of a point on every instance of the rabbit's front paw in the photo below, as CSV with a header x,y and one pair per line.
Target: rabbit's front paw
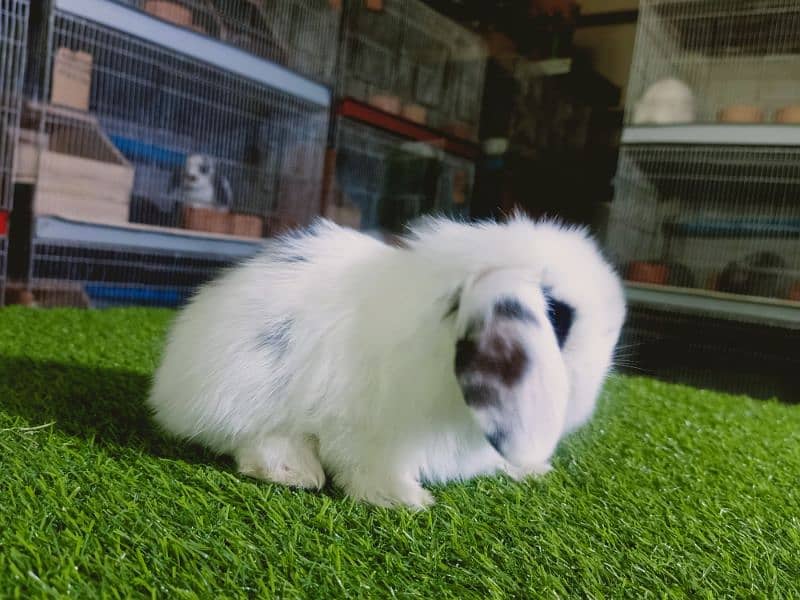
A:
x,y
383,491
282,459
521,473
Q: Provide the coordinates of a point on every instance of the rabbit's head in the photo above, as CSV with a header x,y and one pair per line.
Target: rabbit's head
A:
x,y
534,343
509,366
198,171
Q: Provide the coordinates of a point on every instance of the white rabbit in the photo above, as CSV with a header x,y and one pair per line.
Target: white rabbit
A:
x,y
389,366
667,101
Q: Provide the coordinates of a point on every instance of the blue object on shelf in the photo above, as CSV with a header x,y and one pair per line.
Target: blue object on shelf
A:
x,y
110,295
138,151
739,228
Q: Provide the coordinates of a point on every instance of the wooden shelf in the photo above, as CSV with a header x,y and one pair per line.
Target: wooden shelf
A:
x,y
748,309
370,115
146,237
714,134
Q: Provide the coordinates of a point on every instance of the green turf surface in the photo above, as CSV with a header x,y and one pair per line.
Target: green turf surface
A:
x,y
669,492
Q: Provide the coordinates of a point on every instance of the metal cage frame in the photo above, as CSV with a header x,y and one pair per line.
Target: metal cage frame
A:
x,y
152,110
13,58
731,53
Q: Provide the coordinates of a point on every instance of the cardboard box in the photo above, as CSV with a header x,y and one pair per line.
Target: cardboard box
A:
x,y
415,112
199,218
277,225
460,185
246,225
386,102
346,214
79,174
72,79
169,11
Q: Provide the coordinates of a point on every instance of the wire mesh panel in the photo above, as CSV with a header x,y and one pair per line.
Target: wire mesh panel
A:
x,y
300,34
723,219
383,181
70,273
406,58
132,134
700,349
739,59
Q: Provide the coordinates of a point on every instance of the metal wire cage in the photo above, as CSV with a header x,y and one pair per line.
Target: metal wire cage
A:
x,y
156,167
699,348
13,40
302,35
383,181
406,58
739,58
724,219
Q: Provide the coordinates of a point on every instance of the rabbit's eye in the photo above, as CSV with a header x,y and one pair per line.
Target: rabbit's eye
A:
x,y
204,169
561,317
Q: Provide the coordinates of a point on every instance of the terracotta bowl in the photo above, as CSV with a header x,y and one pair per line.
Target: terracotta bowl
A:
x,y
645,272
788,114
741,113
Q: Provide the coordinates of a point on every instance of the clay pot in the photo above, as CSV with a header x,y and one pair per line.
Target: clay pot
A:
x,y
741,113
788,114
645,272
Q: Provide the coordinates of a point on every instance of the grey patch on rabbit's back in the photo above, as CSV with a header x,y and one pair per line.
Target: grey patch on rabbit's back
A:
x,y
453,303
276,338
290,258
511,308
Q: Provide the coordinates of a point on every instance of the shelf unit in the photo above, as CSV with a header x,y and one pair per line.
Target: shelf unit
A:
x,y
129,103
729,53
406,58
194,45
154,149
705,220
301,35
382,180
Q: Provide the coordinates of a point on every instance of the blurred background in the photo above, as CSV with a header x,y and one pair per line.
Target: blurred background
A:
x,y
145,144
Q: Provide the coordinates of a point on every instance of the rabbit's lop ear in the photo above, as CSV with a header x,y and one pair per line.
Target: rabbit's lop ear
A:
x,y
509,367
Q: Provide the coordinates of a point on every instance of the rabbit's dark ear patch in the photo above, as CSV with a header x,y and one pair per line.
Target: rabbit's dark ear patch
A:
x,y
561,315
481,395
493,356
511,308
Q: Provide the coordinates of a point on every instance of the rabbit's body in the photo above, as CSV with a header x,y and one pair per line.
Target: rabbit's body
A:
x,y
334,350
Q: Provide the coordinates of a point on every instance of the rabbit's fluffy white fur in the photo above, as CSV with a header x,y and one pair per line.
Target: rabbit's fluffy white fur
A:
x,y
667,101
389,366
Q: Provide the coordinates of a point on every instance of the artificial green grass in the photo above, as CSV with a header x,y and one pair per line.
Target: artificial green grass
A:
x,y
670,491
